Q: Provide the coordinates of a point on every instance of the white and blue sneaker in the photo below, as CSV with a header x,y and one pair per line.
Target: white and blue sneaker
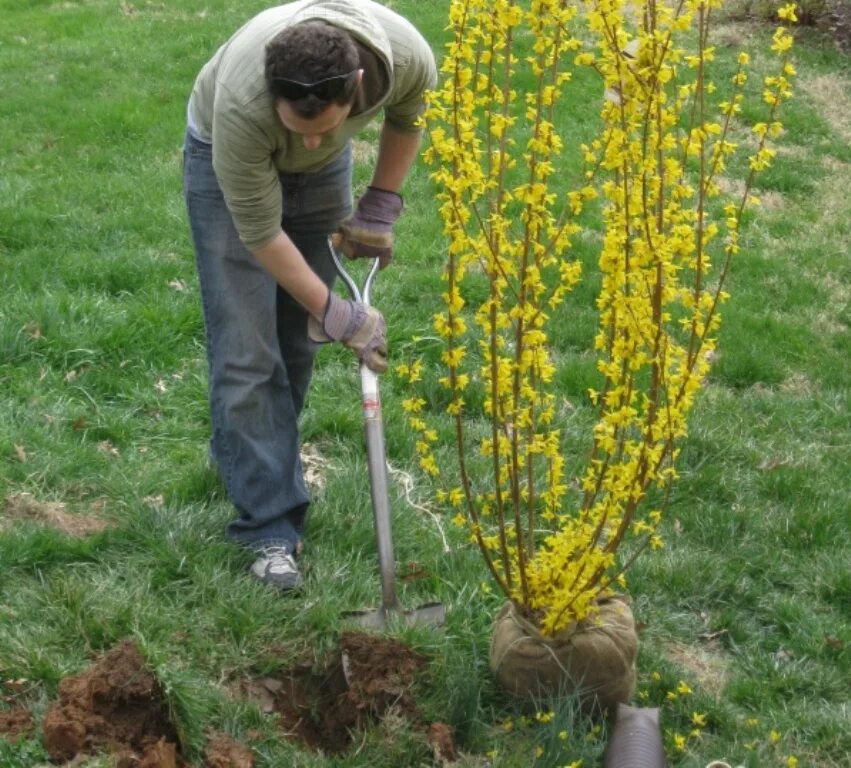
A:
x,y
275,566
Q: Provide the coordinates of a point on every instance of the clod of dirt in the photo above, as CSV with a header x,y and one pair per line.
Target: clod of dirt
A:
x,y
117,705
441,737
223,752
161,754
368,677
379,672
15,723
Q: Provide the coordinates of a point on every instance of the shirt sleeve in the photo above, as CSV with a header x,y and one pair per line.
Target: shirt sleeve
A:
x,y
245,170
412,79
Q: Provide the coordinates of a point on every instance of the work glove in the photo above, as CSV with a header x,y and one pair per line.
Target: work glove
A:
x,y
359,327
368,232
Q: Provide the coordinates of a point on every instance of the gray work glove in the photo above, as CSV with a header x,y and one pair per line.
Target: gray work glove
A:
x,y
359,327
368,232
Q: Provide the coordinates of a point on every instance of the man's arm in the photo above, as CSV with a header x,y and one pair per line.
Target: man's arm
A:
x,y
368,232
359,327
397,151
284,262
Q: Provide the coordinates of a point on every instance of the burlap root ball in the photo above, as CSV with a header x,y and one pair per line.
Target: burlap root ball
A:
x,y
594,658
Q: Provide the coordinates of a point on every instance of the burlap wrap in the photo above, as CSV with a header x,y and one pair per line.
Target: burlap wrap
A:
x,y
595,658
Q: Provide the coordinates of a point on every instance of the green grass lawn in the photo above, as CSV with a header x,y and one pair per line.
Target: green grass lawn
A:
x,y
103,418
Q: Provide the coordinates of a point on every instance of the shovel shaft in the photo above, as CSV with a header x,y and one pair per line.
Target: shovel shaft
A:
x,y
374,430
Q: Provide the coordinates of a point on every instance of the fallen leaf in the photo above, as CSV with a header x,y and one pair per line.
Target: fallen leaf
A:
x,y
79,424
33,330
766,465
262,693
177,285
105,446
21,453
160,386
414,572
834,643
157,502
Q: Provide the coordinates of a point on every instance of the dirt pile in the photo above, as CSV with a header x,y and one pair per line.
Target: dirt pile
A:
x,y
116,705
366,678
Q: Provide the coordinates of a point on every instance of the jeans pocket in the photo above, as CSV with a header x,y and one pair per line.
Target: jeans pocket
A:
x,y
199,178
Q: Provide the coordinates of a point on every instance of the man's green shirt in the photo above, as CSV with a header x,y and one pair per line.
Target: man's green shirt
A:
x,y
231,107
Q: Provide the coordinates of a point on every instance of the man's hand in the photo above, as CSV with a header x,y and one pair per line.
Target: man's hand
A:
x,y
359,327
368,232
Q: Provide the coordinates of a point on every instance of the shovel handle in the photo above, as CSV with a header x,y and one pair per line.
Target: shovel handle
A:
x,y
375,452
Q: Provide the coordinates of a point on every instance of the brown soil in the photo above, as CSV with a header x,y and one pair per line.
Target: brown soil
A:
x,y
116,705
442,739
367,678
15,723
223,752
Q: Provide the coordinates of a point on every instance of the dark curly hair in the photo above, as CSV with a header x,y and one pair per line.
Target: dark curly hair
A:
x,y
307,53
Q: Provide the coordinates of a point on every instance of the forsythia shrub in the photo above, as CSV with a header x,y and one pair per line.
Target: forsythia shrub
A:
x,y
665,139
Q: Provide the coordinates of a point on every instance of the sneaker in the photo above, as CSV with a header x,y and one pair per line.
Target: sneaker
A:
x,y
276,567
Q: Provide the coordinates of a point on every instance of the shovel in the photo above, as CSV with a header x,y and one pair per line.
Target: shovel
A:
x,y
431,613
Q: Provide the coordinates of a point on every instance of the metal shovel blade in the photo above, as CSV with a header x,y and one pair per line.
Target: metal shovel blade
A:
x,y
426,615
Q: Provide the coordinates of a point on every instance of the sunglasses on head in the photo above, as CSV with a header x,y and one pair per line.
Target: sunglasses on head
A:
x,y
325,89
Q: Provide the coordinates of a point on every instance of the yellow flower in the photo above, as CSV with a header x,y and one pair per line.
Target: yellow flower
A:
x,y
683,688
698,719
787,12
775,736
792,761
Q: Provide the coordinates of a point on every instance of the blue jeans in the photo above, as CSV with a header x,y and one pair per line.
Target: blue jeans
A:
x,y
260,359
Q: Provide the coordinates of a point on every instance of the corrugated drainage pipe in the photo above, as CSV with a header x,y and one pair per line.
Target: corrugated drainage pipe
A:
x,y
635,740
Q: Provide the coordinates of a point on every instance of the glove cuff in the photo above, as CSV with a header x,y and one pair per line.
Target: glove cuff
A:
x,y
337,320
382,204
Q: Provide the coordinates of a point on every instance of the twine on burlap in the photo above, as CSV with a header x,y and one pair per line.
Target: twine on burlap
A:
x,y
594,658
